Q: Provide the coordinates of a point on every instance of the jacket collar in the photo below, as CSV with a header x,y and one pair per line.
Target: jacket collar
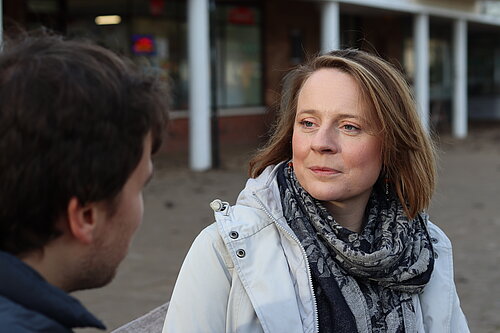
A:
x,y
263,193
23,285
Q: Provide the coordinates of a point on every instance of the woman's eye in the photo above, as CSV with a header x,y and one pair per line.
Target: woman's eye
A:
x,y
306,123
350,127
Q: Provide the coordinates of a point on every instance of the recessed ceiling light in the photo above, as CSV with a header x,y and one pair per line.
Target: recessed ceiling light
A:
x,y
108,19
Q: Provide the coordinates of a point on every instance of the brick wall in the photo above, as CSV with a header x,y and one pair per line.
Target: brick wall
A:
x,y
233,130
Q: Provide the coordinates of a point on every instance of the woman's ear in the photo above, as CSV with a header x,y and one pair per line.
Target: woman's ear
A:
x,y
82,220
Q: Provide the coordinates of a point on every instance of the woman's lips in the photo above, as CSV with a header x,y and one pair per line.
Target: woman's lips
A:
x,y
322,171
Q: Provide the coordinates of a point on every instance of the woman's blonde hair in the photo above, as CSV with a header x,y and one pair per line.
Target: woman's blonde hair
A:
x,y
408,153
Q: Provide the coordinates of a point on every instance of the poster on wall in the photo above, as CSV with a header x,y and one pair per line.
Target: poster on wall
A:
x,y
143,45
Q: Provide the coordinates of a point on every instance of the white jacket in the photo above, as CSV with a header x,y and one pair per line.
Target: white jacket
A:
x,y
249,273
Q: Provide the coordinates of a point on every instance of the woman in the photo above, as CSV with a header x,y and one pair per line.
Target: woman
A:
x,y
330,233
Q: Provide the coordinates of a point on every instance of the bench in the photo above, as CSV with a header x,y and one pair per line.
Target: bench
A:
x,y
151,322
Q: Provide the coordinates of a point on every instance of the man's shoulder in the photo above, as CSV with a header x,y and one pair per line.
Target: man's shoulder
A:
x,y
15,318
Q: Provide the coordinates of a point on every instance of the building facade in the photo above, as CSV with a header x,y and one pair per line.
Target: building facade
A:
x,y
225,59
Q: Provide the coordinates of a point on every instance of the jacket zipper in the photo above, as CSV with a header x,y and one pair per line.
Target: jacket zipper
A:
x,y
292,236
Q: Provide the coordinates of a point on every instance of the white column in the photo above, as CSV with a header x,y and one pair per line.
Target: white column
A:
x,y
460,78
200,157
330,18
421,41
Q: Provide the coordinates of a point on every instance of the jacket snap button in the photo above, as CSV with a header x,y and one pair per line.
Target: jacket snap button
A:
x,y
233,234
240,253
217,205
436,255
434,240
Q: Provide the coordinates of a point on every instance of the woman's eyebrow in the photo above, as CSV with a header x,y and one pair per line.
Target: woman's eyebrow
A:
x,y
337,116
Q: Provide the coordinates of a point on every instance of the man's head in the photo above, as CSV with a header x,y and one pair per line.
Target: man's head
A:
x,y
78,125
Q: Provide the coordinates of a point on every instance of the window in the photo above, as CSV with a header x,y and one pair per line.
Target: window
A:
x,y
239,58
152,33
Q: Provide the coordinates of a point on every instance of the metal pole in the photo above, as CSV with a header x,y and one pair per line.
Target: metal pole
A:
x,y
460,79
199,85
330,35
421,38
213,67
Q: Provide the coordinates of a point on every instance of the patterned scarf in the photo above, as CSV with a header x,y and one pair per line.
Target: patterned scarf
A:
x,y
363,282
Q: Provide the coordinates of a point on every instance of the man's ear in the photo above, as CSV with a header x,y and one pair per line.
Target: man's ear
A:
x,y
82,220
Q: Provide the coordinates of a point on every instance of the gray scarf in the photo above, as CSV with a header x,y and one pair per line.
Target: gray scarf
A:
x,y
376,271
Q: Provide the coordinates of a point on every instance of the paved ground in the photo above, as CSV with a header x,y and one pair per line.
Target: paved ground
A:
x,y
466,206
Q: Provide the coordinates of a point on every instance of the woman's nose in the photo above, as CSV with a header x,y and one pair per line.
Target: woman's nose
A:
x,y
325,141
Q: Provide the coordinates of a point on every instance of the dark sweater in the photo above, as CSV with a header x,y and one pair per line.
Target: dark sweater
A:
x,y
30,304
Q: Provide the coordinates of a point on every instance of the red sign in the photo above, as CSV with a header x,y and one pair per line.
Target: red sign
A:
x,y
156,7
242,16
143,45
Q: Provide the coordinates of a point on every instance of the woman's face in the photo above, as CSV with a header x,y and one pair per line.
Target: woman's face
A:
x,y
335,157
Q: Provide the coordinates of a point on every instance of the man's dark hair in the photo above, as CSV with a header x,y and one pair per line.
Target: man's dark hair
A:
x,y
73,120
